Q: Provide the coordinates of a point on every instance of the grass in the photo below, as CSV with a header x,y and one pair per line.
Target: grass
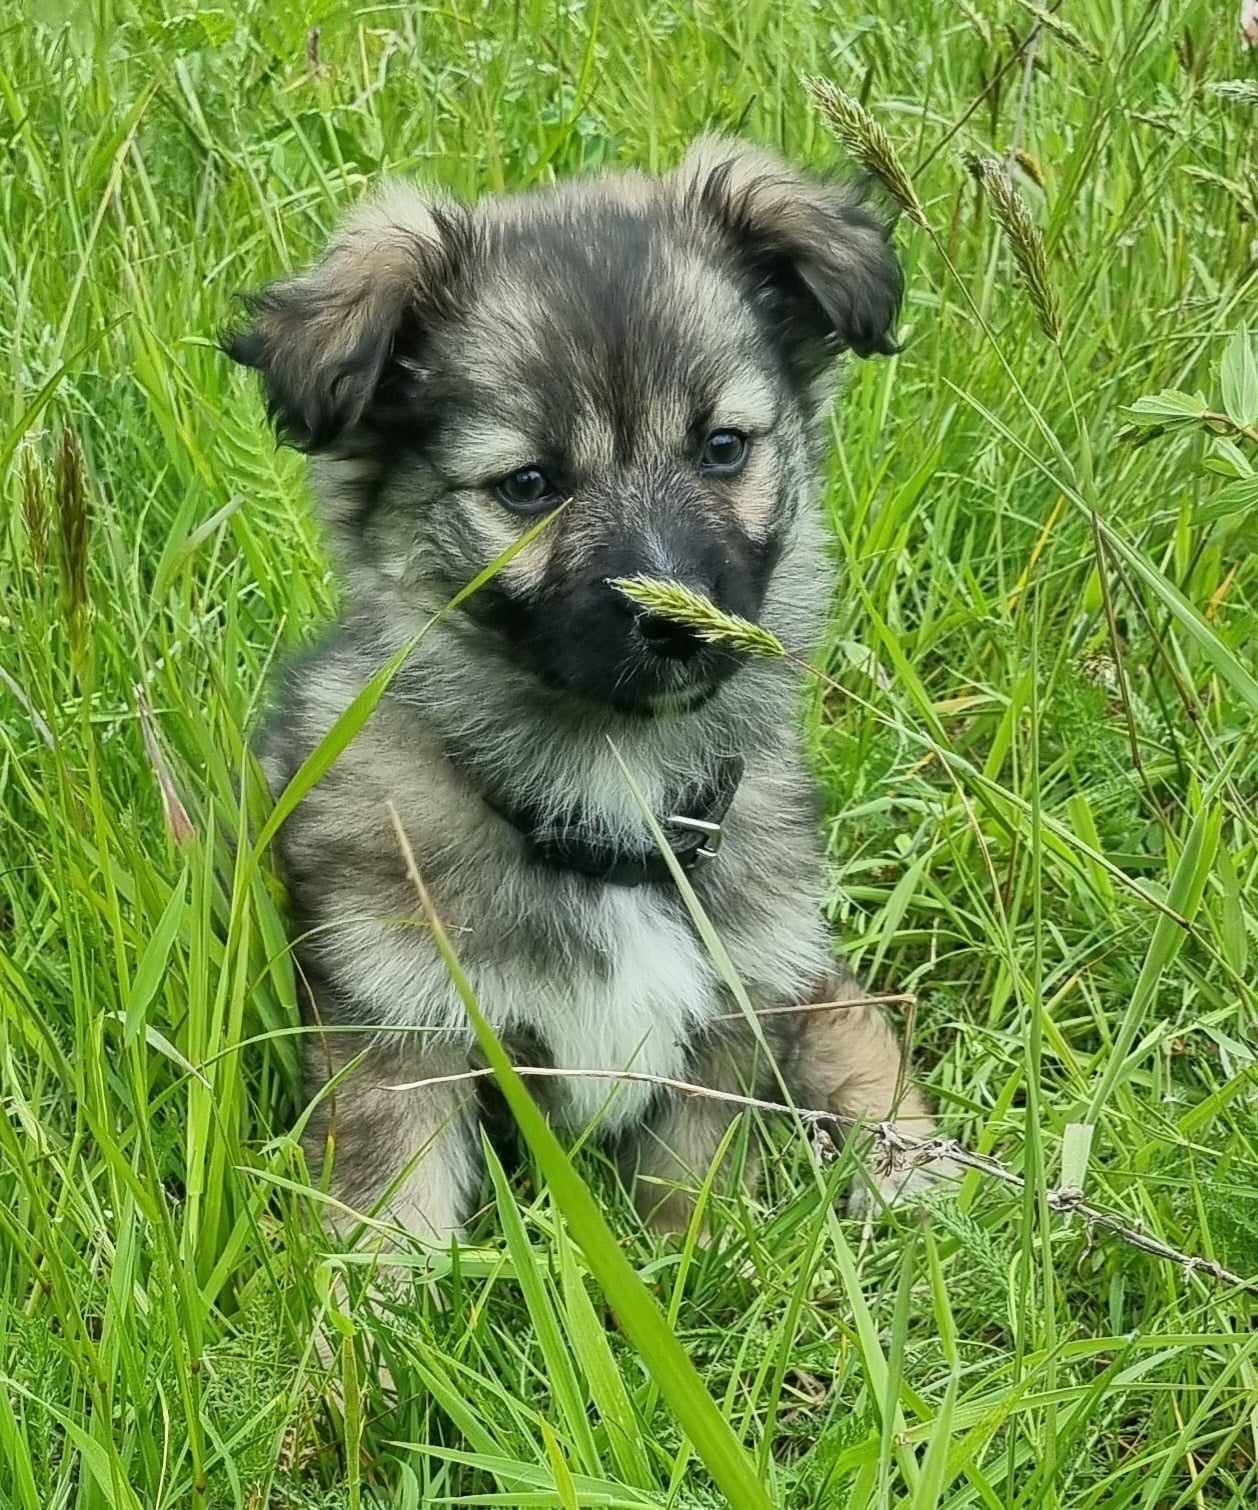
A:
x,y
1036,741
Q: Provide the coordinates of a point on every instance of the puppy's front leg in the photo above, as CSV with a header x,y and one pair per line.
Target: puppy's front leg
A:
x,y
410,1157
674,1150
848,1061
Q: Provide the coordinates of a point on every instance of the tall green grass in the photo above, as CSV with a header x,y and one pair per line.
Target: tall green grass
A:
x,y
1036,741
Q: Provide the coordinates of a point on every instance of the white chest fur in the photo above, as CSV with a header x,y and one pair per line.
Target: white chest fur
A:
x,y
659,987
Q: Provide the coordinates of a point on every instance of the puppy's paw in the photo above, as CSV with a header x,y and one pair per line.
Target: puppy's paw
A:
x,y
328,1346
398,1277
895,1177
336,1329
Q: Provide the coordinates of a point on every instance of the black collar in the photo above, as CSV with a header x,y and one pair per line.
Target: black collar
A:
x,y
693,833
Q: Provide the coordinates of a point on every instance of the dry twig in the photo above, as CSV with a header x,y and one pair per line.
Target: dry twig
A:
x,y
902,1000
179,825
901,1151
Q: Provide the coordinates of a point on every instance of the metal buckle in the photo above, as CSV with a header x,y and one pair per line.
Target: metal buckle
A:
x,y
712,833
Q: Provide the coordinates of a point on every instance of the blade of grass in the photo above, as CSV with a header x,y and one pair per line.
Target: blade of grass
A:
x,y
598,1362
1188,883
153,962
561,1373
338,738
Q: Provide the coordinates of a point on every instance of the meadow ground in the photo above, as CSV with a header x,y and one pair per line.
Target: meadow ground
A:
x,y
1038,753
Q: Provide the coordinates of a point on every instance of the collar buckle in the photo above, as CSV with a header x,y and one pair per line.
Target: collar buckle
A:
x,y
711,835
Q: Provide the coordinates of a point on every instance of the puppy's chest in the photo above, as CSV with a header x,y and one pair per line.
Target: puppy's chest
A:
x,y
634,1001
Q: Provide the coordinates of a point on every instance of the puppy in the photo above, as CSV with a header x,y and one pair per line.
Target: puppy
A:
x,y
651,357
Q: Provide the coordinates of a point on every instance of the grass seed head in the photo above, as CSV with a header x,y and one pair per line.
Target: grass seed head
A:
x,y
866,141
673,600
1238,91
73,531
1061,29
1025,239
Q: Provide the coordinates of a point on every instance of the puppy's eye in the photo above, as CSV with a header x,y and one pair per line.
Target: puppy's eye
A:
x,y
724,452
527,491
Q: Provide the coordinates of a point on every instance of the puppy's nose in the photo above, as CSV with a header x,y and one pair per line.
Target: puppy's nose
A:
x,y
667,638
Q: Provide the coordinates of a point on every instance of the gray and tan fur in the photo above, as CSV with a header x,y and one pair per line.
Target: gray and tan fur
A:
x,y
608,336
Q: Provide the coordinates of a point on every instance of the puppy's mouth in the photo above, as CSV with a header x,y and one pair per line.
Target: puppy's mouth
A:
x,y
635,691
676,704
672,691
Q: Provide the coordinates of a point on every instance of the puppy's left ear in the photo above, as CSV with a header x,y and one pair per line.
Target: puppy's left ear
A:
x,y
822,265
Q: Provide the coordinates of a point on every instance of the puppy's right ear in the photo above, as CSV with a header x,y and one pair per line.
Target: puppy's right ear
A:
x,y
326,340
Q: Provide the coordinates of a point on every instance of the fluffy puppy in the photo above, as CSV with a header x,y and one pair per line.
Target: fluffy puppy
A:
x,y
653,354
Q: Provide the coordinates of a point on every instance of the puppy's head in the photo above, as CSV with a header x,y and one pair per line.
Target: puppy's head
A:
x,y
646,352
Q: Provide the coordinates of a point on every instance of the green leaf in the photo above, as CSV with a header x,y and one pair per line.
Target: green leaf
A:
x,y
565,1489
935,1473
566,1391
464,1407
1169,407
104,1467
163,1045
878,1373
589,1342
717,951
592,1491
1188,882
152,967
1076,1145
338,738
1235,497
1238,374
1232,930
17,1454
945,1323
